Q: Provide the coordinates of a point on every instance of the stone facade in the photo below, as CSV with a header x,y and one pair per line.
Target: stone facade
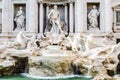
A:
x,y
73,13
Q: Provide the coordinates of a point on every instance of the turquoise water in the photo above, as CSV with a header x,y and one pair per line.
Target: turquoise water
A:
x,y
19,77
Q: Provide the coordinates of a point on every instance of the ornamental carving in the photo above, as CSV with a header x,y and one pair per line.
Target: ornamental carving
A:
x,y
117,7
55,0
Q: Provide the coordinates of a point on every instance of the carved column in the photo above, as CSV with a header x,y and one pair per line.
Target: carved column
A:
x,y
80,15
66,13
47,10
6,16
41,17
108,16
71,17
33,16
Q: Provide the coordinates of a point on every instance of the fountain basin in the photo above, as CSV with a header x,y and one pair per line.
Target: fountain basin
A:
x,y
65,77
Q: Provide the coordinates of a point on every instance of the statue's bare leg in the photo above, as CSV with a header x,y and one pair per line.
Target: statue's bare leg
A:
x,y
53,25
59,26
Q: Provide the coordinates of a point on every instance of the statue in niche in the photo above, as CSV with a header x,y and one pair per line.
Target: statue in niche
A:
x,y
20,20
93,17
55,25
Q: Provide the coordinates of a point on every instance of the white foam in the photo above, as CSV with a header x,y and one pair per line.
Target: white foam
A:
x,y
51,78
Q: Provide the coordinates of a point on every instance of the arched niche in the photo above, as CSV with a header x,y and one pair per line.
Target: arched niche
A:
x,y
63,8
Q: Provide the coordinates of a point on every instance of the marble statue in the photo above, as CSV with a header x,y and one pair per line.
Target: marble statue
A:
x,y
54,19
20,20
19,43
109,39
76,42
32,43
56,29
33,47
93,17
22,40
89,42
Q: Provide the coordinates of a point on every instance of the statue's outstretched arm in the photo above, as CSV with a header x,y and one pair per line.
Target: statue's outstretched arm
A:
x,y
50,13
25,37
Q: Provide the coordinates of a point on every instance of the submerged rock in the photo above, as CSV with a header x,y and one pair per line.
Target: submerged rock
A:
x,y
6,67
117,77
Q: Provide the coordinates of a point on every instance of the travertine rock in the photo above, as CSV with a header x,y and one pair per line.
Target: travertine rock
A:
x,y
7,67
18,53
46,66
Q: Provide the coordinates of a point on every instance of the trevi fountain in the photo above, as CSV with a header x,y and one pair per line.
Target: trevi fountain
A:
x,y
61,52
56,56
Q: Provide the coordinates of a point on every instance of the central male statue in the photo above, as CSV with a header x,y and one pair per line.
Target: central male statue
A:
x,y
54,20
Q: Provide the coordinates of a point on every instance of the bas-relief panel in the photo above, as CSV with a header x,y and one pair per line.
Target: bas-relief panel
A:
x,y
116,10
55,0
118,16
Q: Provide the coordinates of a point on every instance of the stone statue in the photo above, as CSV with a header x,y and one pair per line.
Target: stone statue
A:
x,y
32,42
19,43
92,17
54,20
20,20
75,42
